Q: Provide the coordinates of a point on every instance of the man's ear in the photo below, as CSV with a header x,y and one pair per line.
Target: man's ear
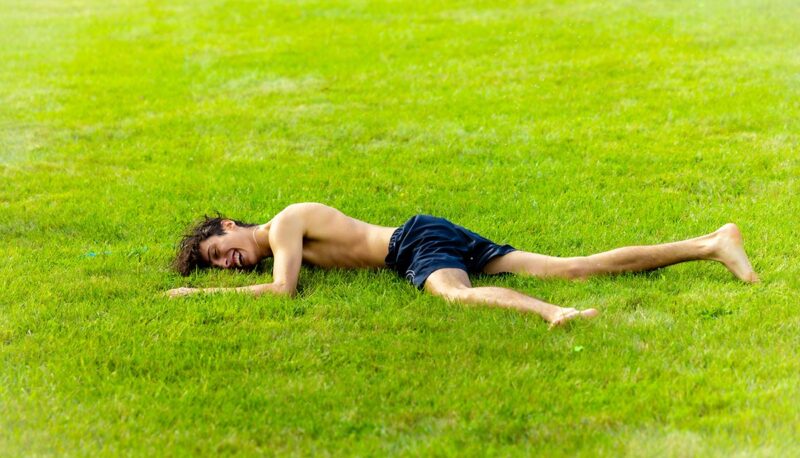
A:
x,y
227,225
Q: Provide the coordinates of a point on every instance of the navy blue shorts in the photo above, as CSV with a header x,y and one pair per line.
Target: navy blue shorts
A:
x,y
425,244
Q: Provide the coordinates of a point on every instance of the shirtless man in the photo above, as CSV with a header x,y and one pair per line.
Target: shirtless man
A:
x,y
432,253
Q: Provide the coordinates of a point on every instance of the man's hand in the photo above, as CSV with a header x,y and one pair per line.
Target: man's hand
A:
x,y
177,292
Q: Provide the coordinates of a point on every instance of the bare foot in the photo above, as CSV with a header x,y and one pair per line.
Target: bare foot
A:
x,y
570,314
729,250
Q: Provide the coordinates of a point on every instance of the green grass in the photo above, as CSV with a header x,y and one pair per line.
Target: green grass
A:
x,y
561,127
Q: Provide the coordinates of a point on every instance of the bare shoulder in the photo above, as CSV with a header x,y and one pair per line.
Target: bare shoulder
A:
x,y
307,207
302,216
306,211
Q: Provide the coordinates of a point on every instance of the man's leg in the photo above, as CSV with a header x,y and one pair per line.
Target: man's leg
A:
x,y
454,286
724,245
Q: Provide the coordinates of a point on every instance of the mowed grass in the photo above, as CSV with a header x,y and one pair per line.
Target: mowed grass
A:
x,y
560,127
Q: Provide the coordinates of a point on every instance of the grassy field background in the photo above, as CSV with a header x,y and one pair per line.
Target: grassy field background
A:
x,y
561,127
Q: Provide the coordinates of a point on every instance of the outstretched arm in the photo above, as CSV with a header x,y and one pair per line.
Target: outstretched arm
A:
x,y
286,241
256,290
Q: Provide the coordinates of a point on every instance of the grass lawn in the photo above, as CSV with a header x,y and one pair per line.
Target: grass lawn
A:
x,y
562,127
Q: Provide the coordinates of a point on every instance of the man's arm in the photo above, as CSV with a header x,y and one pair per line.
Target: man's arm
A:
x,y
286,242
256,290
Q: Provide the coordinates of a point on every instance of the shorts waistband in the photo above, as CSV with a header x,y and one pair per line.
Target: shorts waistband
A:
x,y
392,254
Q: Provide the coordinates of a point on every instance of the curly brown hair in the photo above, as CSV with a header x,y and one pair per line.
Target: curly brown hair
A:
x,y
188,257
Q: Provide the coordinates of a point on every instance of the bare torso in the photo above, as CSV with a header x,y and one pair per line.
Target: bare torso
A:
x,y
333,239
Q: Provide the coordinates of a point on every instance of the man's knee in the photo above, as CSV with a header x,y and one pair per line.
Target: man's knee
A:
x,y
450,293
576,268
449,284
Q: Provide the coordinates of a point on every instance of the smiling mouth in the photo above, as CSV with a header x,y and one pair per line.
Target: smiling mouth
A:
x,y
239,259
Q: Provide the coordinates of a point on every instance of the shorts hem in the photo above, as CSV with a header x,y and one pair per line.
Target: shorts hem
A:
x,y
418,279
496,252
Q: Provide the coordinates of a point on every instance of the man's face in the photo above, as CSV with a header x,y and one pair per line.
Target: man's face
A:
x,y
234,249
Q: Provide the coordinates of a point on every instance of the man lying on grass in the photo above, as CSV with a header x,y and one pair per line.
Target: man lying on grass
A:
x,y
432,253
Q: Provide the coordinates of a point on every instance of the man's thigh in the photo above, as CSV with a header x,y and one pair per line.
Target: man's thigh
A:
x,y
523,262
447,282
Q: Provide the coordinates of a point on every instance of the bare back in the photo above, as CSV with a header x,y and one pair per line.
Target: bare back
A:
x,y
332,239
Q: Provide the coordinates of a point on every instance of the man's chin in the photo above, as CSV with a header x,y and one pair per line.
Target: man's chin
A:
x,y
247,267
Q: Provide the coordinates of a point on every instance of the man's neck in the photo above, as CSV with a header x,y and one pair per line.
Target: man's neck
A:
x,y
260,236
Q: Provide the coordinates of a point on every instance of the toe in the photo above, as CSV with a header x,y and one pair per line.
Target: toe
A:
x,y
571,314
589,313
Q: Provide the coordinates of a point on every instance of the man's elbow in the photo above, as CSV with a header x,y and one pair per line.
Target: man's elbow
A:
x,y
288,292
282,289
